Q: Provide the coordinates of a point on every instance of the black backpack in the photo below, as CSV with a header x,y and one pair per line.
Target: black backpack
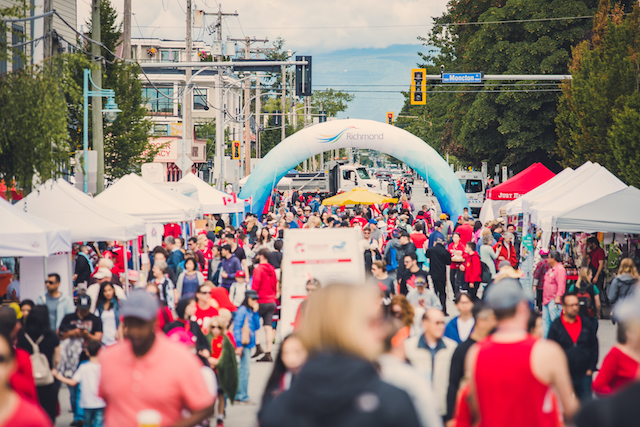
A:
x,y
486,273
586,298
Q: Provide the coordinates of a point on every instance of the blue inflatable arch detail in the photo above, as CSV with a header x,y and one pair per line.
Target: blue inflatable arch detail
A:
x,y
355,133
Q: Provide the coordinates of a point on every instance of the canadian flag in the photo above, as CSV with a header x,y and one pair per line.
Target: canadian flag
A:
x,y
375,210
231,199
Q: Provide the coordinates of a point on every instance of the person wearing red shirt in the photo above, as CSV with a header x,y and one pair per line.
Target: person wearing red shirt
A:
x,y
265,283
620,366
359,219
22,379
204,310
15,409
418,237
457,250
472,269
466,233
596,261
505,250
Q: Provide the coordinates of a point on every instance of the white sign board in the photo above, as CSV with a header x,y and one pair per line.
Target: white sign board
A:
x,y
329,255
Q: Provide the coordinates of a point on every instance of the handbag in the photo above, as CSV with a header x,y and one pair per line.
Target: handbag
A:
x,y
245,338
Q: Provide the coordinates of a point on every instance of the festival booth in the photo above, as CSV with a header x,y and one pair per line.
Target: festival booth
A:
x,y
42,246
520,184
213,200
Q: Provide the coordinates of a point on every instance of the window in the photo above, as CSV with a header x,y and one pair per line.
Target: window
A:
x,y
157,104
200,99
471,185
16,38
169,56
161,129
363,173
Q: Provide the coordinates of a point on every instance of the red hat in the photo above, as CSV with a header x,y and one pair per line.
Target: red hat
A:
x,y
240,273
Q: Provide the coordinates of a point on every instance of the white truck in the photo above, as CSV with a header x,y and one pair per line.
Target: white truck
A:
x,y
473,186
338,177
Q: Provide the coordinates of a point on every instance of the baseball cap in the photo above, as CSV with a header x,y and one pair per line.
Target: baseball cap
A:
x,y
506,293
443,216
373,221
140,304
395,233
544,252
420,281
437,223
628,309
102,273
240,273
250,293
84,302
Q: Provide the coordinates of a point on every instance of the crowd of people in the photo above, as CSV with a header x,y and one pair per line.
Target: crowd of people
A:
x,y
172,344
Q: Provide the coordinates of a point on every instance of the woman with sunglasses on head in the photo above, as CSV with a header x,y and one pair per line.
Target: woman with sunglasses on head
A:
x,y
37,331
108,310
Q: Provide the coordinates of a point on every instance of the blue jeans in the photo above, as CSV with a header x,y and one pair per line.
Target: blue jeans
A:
x,y
93,417
74,397
243,375
582,388
550,312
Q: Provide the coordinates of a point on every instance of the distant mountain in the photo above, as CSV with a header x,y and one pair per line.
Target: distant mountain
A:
x,y
375,76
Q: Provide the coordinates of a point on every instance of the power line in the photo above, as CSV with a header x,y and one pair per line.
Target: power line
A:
x,y
459,91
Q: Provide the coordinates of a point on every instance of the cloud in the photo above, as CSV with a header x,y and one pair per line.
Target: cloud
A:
x,y
307,26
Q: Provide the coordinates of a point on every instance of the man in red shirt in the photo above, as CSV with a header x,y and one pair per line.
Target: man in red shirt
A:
x,y
466,233
596,261
472,269
512,373
265,283
141,373
204,310
577,337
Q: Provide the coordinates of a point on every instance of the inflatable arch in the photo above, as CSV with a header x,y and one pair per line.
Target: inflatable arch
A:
x,y
354,133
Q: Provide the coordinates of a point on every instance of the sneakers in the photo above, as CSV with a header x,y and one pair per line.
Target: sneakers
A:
x,y
265,358
258,351
220,423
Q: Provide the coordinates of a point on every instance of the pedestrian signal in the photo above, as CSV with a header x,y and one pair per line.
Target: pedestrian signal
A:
x,y
236,150
390,118
418,86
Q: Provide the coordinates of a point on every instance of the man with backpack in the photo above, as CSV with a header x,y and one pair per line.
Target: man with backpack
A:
x,y
577,337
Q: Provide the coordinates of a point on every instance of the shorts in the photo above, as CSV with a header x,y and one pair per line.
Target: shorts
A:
x,y
266,313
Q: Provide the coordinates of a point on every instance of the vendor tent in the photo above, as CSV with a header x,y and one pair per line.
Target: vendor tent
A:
x,y
614,213
191,202
213,200
134,196
498,196
23,235
89,220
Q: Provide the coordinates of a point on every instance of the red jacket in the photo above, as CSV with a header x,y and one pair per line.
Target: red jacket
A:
x,y
265,283
22,378
472,268
506,251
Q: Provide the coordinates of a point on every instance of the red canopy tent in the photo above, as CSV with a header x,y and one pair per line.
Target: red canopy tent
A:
x,y
15,194
520,184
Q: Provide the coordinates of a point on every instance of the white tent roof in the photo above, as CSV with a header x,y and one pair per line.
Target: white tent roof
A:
x,y
491,209
583,187
192,203
613,213
516,207
24,235
134,196
213,200
89,220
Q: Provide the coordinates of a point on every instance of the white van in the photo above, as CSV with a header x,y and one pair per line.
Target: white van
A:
x,y
473,186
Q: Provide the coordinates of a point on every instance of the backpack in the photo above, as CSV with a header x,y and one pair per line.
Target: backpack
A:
x,y
486,273
392,259
585,299
42,374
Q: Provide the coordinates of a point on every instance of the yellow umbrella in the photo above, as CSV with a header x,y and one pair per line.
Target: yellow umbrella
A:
x,y
357,196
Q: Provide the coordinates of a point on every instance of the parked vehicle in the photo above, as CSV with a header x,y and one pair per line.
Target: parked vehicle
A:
x,y
473,186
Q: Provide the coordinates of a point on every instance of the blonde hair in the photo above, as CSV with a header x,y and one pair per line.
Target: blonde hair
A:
x,y
335,317
627,266
224,315
583,276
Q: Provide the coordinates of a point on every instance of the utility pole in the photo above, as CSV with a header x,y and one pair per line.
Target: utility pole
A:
x,y
219,166
126,30
189,98
283,102
48,40
96,101
247,103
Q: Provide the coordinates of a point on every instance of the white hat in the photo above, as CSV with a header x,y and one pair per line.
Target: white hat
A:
x,y
103,273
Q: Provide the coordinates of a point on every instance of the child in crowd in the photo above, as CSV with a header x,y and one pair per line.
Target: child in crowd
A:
x,y
88,376
286,366
238,289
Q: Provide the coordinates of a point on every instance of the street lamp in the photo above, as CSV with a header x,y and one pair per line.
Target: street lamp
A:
x,y
110,111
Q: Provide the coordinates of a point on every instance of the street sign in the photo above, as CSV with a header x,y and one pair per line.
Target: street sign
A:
x,y
184,163
461,77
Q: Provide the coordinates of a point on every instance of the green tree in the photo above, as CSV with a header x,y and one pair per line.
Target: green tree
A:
x,y
597,105
126,140
33,131
330,100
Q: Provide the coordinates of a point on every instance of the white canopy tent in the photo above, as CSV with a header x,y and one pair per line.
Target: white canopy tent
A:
x,y
22,234
516,207
89,220
213,200
191,202
614,213
134,196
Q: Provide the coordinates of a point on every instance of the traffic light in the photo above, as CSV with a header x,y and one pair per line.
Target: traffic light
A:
x,y
303,77
390,118
418,86
236,150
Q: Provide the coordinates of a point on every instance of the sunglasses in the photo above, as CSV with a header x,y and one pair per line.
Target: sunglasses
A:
x,y
216,327
49,282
